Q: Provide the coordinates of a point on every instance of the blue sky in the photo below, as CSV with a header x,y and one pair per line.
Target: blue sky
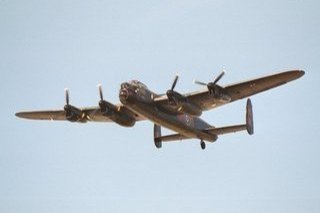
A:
x,y
46,46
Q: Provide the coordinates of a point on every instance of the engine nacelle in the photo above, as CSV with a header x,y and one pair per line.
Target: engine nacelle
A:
x,y
189,108
122,117
182,103
74,114
119,115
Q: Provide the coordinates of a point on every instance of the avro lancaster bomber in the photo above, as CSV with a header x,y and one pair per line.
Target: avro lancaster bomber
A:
x,y
173,110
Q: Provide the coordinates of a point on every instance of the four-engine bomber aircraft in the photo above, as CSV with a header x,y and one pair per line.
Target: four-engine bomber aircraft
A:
x,y
175,111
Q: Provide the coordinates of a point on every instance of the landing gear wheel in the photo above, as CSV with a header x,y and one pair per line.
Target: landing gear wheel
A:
x,y
203,145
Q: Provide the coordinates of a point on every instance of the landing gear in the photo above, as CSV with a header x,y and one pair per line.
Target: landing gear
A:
x,y
203,145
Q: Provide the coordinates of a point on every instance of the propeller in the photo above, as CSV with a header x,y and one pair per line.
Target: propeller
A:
x,y
174,82
213,87
73,113
105,107
219,77
66,91
173,96
67,107
100,92
102,101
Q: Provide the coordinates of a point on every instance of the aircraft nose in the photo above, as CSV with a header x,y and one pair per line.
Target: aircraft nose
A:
x,y
124,95
126,92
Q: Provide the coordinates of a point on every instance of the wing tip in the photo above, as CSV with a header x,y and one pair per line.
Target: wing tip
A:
x,y
297,73
290,75
301,73
19,114
24,115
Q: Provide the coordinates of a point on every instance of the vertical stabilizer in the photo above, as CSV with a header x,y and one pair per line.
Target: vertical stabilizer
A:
x,y
157,136
249,117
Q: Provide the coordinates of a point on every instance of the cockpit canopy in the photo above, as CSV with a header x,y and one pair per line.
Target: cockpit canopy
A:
x,y
138,84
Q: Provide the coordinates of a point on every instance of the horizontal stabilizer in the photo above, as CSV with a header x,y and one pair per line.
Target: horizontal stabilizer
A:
x,y
236,128
227,129
158,138
173,137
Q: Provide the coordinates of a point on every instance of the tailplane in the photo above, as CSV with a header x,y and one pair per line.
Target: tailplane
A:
x,y
236,128
248,126
158,138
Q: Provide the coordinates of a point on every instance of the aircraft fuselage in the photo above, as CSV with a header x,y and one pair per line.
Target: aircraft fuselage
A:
x,y
140,100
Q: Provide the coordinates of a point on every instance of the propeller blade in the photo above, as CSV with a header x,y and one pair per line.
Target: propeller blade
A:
x,y
199,82
66,90
219,77
100,91
174,82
